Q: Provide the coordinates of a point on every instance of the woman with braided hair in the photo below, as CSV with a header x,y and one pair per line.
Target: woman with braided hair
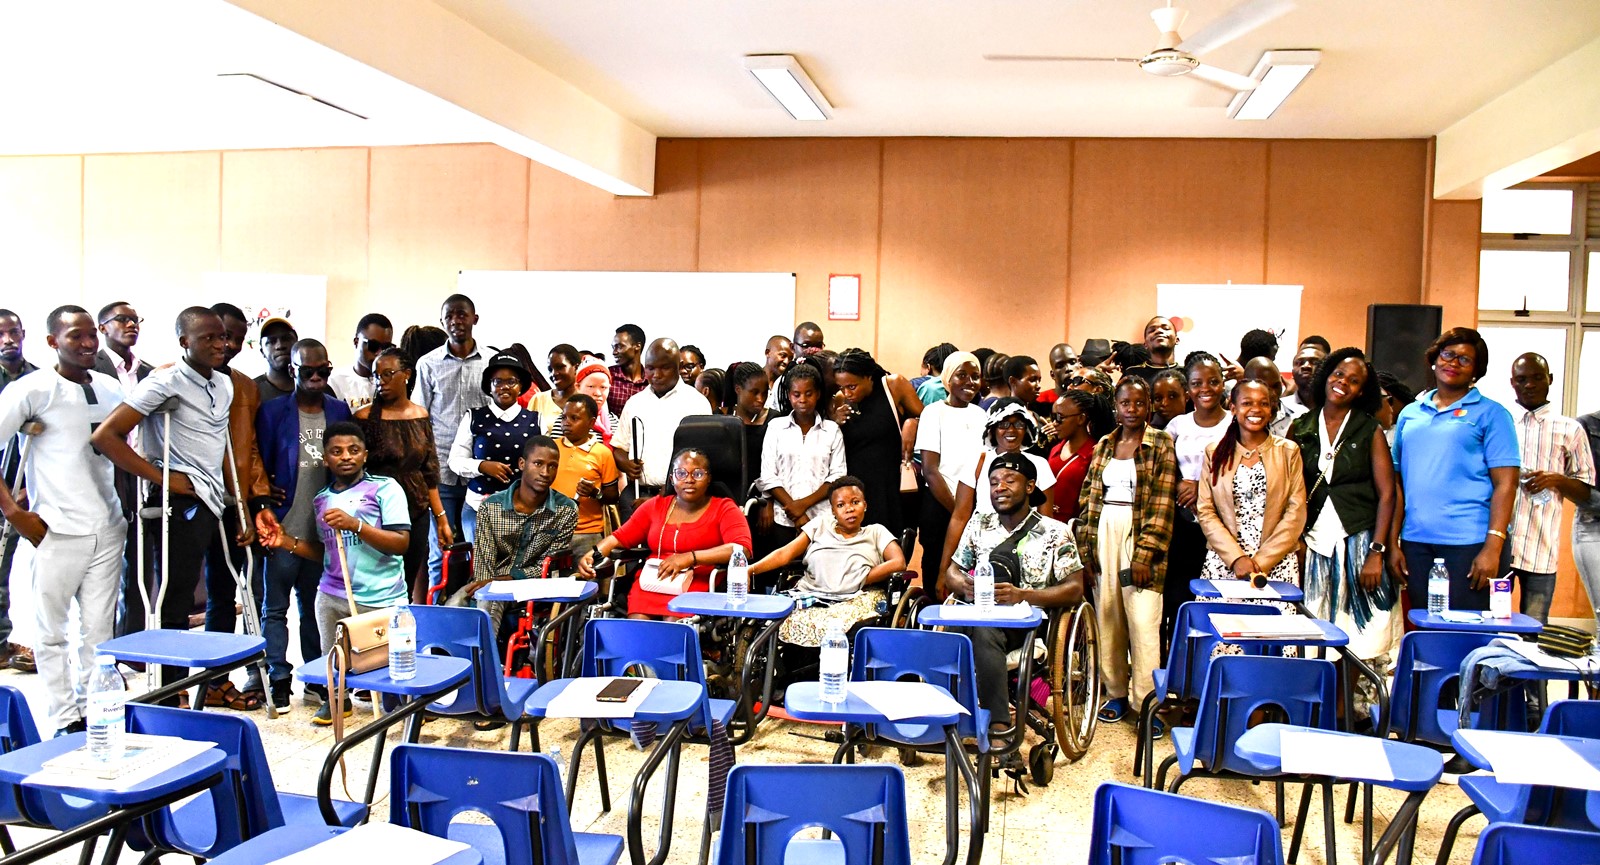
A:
x,y
877,414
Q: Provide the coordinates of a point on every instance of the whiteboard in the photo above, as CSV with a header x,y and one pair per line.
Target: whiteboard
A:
x,y
1213,317
729,316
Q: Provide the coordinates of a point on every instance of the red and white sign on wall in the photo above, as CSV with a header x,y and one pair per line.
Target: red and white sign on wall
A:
x,y
844,297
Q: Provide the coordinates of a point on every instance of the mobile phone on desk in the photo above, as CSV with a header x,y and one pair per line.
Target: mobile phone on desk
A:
x,y
618,691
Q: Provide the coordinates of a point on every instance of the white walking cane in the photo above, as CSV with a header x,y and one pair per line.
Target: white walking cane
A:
x,y
252,612
638,448
152,613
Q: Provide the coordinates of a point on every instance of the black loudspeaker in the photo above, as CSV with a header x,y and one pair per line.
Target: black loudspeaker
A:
x,y
1398,335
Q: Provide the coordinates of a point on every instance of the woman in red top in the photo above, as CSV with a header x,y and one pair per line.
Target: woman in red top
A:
x,y
686,528
1081,419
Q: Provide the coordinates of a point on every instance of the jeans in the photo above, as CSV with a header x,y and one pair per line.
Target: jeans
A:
x,y
469,523
221,589
1586,554
1537,590
1458,561
6,556
288,573
189,530
453,499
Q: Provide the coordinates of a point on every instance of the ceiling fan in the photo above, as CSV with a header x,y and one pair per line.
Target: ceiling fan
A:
x,y
1175,55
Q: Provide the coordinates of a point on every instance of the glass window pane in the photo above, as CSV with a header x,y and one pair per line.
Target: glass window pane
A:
x,y
1592,296
1528,211
1508,278
1506,344
1588,374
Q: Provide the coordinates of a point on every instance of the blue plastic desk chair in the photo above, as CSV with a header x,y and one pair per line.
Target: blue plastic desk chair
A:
x,y
1522,803
863,806
1188,659
1512,844
1135,826
40,808
464,632
210,823
1429,665
941,658
520,793
669,650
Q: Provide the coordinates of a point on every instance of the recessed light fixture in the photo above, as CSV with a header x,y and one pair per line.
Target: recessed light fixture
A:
x,y
1278,74
782,76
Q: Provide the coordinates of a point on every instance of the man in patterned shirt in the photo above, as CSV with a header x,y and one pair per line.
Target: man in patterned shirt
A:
x,y
521,525
1556,464
1017,542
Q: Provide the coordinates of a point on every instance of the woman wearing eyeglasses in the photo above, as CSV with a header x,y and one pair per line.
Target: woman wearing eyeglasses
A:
x,y
489,440
1459,463
399,437
687,529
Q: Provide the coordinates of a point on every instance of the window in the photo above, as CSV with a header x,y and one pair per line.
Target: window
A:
x,y
1539,289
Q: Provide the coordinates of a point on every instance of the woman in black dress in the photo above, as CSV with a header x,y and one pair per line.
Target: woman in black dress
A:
x,y
877,413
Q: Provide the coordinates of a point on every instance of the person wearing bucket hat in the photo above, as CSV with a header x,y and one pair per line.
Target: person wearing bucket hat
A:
x,y
1095,352
1034,559
1009,430
489,440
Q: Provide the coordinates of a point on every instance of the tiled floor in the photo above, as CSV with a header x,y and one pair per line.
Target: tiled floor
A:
x,y
1048,825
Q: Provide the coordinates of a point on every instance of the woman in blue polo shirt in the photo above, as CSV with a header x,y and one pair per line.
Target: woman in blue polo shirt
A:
x,y
1456,452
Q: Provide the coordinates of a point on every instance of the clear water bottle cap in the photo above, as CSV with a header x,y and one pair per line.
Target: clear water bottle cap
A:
x,y
1438,561
105,660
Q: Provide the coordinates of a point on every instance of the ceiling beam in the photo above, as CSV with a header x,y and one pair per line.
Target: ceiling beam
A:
x,y
524,107
1545,122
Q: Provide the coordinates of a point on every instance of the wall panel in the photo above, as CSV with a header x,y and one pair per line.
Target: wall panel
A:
x,y
41,229
150,222
574,226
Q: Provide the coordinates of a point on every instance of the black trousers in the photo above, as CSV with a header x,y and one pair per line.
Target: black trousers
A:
x,y
933,523
1186,558
191,527
989,649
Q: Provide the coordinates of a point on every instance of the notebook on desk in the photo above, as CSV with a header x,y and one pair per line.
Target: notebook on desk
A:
x,y
1288,626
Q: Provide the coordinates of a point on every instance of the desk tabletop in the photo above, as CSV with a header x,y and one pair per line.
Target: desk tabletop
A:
x,y
1466,744
716,604
435,673
1289,593
500,590
803,700
1517,624
275,844
1415,767
1332,637
966,616
668,701
183,648
18,765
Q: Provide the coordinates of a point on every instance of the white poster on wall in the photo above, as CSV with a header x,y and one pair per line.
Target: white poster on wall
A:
x,y
1213,317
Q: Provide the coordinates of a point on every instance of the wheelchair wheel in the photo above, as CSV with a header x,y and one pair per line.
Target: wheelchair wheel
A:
x,y
1075,679
911,603
550,653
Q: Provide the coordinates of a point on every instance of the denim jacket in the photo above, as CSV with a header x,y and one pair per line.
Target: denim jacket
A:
x,y
1589,512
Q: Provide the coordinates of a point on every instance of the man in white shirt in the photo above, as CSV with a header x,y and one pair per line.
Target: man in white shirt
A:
x,y
778,356
353,384
664,402
76,522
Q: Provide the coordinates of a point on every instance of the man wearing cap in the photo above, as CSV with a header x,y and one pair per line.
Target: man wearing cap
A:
x,y
277,337
289,431
1034,559
488,443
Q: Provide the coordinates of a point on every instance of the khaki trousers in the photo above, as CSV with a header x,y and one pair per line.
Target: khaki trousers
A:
x,y
1129,617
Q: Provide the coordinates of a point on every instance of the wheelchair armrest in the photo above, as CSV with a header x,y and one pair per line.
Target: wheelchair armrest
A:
x,y
631,554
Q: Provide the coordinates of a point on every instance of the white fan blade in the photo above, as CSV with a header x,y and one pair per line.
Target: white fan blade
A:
x,y
1057,59
1223,78
1234,23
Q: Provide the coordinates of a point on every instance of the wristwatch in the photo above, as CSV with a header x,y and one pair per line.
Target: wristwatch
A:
x,y
1378,548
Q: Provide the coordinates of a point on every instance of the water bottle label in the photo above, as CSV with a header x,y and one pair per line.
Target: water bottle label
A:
x,y
402,641
833,661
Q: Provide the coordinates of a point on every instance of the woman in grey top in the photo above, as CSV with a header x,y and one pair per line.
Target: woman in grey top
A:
x,y
844,561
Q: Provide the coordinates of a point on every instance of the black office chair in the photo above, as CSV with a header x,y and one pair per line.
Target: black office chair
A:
x,y
721,438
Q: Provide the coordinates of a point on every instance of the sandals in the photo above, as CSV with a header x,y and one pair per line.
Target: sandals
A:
x,y
230,697
1114,710
1158,729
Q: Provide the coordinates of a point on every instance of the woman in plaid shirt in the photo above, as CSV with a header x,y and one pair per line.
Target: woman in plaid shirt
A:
x,y
1124,527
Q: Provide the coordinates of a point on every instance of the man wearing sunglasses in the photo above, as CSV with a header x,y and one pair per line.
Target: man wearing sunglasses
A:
x,y
353,383
290,430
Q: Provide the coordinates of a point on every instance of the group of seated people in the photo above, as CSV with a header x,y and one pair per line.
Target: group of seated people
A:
x,y
1134,474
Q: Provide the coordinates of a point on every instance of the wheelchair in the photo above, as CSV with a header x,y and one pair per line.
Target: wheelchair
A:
x,y
537,639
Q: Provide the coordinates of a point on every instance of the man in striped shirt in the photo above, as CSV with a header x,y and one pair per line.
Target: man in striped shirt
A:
x,y
1556,464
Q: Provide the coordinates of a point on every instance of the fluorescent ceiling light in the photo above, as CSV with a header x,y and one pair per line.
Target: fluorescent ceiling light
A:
x,y
782,76
1278,74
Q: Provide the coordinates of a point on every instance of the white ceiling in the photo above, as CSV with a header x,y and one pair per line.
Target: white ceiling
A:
x,y
914,67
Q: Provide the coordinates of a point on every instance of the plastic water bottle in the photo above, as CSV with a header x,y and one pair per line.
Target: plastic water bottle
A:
x,y
983,585
555,754
107,694
738,577
402,644
834,666
1438,588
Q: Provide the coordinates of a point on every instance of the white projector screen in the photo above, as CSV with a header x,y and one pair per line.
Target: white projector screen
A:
x,y
1213,317
729,316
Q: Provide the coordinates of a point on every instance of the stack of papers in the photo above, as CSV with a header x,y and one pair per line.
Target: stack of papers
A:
x,y
379,841
520,591
1530,650
1313,752
897,701
1523,758
1002,612
1462,617
578,699
1231,589
1235,626
145,758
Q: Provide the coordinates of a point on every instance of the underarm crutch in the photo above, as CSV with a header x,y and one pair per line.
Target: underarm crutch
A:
x,y
246,583
152,612
29,428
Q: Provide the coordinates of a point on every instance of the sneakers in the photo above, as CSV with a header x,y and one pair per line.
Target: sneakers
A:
x,y
22,659
280,695
316,694
324,716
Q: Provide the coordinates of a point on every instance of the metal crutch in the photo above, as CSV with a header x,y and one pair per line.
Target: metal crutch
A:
x,y
152,612
29,428
252,612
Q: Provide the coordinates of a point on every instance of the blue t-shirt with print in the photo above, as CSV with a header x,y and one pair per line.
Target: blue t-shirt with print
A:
x,y
377,578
